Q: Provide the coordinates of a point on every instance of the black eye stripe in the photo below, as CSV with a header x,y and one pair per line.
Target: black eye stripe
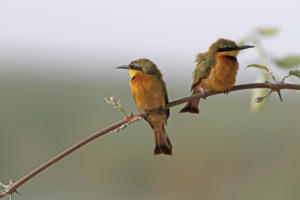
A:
x,y
135,67
226,49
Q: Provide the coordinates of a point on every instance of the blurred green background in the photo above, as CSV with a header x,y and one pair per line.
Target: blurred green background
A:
x,y
57,63
224,153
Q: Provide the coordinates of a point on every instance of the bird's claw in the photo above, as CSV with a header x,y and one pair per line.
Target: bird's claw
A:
x,y
226,92
146,115
204,94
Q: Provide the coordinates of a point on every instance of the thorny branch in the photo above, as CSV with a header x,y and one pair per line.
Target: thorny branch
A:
x,y
12,187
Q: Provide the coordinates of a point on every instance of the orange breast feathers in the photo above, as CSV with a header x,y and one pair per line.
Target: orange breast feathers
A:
x,y
222,76
147,91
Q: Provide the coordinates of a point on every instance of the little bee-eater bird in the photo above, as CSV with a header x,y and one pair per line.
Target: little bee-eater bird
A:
x,y
150,93
216,70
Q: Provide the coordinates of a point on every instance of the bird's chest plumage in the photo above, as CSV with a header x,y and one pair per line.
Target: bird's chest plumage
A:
x,y
222,75
147,92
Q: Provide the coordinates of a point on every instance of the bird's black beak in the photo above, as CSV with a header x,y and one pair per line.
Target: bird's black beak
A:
x,y
244,47
123,67
131,67
235,48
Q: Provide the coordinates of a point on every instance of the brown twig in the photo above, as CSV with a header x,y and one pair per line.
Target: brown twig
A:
x,y
273,87
12,187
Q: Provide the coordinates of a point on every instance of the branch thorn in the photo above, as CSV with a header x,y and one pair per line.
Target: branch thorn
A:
x,y
279,94
7,189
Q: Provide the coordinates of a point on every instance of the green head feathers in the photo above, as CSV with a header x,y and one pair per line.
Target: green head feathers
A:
x,y
145,65
223,45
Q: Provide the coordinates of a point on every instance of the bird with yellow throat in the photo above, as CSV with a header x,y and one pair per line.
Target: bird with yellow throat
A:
x,y
150,94
216,70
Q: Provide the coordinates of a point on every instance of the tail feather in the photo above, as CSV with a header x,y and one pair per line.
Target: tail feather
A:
x,y
162,142
191,106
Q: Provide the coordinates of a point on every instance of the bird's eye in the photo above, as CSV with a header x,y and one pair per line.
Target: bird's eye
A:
x,y
135,67
224,48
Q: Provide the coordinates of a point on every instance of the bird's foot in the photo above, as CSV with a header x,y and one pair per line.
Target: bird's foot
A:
x,y
226,92
204,93
146,114
161,110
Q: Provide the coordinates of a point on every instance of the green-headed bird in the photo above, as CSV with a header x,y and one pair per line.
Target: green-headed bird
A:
x,y
216,70
150,93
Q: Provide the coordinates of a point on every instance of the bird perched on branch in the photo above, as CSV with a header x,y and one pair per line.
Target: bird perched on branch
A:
x,y
216,70
150,93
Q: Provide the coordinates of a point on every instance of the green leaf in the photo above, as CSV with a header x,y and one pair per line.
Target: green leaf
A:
x,y
295,73
288,61
268,31
258,66
257,104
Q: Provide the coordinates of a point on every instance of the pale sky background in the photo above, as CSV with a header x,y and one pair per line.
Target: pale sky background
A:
x,y
80,38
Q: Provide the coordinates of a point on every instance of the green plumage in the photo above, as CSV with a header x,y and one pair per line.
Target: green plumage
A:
x,y
203,67
147,66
